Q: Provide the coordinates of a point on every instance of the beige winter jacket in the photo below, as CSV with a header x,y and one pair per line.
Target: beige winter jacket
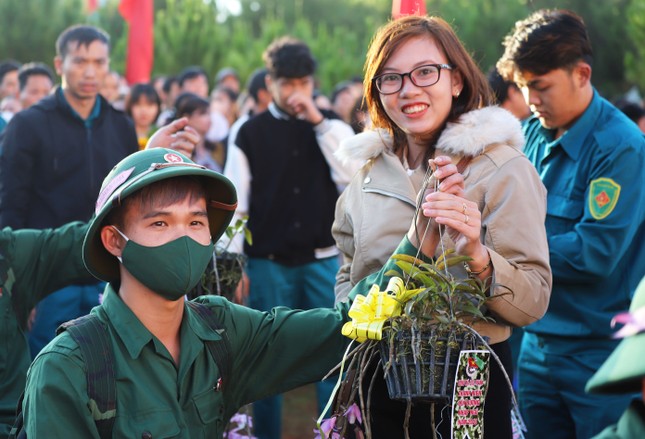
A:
x,y
375,212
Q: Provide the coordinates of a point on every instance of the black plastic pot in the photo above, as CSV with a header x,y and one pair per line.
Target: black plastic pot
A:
x,y
421,366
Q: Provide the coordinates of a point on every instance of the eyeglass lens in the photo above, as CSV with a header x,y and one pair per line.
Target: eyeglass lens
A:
x,y
423,76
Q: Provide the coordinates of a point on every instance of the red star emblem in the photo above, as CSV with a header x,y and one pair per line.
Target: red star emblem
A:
x,y
173,158
602,199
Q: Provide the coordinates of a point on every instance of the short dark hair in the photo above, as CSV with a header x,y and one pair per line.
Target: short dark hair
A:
x,y
288,57
189,73
140,90
226,72
256,82
340,88
168,82
160,193
232,96
499,85
8,66
547,40
632,110
84,35
33,69
187,103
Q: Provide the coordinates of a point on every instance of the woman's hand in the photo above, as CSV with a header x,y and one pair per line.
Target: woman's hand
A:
x,y
462,219
176,135
460,216
450,181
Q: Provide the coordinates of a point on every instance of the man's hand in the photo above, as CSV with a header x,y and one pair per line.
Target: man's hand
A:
x,y
303,107
176,135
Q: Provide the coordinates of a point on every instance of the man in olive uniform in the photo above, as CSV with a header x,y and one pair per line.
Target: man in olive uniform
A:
x,y
152,235
33,264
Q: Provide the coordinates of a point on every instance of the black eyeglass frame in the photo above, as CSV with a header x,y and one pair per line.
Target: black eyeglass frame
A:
x,y
409,75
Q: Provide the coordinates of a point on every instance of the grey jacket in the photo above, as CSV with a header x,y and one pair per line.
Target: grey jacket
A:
x,y
375,212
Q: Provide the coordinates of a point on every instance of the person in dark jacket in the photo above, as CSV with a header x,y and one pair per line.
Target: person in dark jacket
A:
x,y
54,156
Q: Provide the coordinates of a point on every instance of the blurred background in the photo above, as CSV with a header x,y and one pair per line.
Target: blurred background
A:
x,y
217,33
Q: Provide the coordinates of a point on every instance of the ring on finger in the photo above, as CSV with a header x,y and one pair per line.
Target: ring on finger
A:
x,y
466,219
463,208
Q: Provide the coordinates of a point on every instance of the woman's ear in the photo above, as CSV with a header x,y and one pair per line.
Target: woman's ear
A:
x,y
457,83
112,241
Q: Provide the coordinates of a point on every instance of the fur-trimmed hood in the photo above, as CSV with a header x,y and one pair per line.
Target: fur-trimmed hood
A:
x,y
469,136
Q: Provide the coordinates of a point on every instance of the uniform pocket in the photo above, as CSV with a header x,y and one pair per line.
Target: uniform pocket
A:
x,y
562,213
209,406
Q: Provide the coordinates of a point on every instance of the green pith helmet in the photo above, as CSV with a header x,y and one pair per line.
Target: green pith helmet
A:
x,y
137,171
624,370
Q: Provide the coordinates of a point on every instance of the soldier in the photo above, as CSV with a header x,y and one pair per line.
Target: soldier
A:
x,y
156,219
34,263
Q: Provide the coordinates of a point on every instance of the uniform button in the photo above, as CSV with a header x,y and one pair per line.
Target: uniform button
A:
x,y
146,435
296,190
296,225
296,153
367,180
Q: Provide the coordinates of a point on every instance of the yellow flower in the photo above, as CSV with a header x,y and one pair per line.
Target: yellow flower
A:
x,y
369,313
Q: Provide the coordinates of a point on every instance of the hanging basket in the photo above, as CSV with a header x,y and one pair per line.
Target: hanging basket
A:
x,y
420,366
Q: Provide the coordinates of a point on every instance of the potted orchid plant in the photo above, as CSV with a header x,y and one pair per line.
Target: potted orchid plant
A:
x,y
417,327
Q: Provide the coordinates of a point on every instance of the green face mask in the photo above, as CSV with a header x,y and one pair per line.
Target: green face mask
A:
x,y
172,269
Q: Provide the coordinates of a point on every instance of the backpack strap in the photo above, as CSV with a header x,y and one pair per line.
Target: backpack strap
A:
x,y
93,340
18,429
220,350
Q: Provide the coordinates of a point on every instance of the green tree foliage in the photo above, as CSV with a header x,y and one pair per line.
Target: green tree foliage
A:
x,y
202,32
30,27
635,58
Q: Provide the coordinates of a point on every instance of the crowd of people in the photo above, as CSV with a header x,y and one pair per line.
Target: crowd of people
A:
x,y
112,196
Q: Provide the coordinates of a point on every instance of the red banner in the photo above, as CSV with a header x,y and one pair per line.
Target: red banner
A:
x,y
408,7
91,6
139,15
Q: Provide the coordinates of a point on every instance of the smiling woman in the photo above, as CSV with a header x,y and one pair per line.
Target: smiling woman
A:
x,y
428,99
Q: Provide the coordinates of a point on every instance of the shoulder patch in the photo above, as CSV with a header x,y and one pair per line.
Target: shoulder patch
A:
x,y
603,196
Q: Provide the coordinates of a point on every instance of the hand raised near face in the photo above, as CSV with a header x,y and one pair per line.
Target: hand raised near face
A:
x,y
176,135
303,106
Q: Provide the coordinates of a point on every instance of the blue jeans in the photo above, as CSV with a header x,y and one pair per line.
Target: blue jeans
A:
x,y
300,287
59,307
553,374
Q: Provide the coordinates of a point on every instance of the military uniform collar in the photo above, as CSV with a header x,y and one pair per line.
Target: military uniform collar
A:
x,y
128,327
134,335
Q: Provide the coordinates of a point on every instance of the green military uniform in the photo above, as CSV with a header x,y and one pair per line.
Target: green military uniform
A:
x,y
33,263
272,353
